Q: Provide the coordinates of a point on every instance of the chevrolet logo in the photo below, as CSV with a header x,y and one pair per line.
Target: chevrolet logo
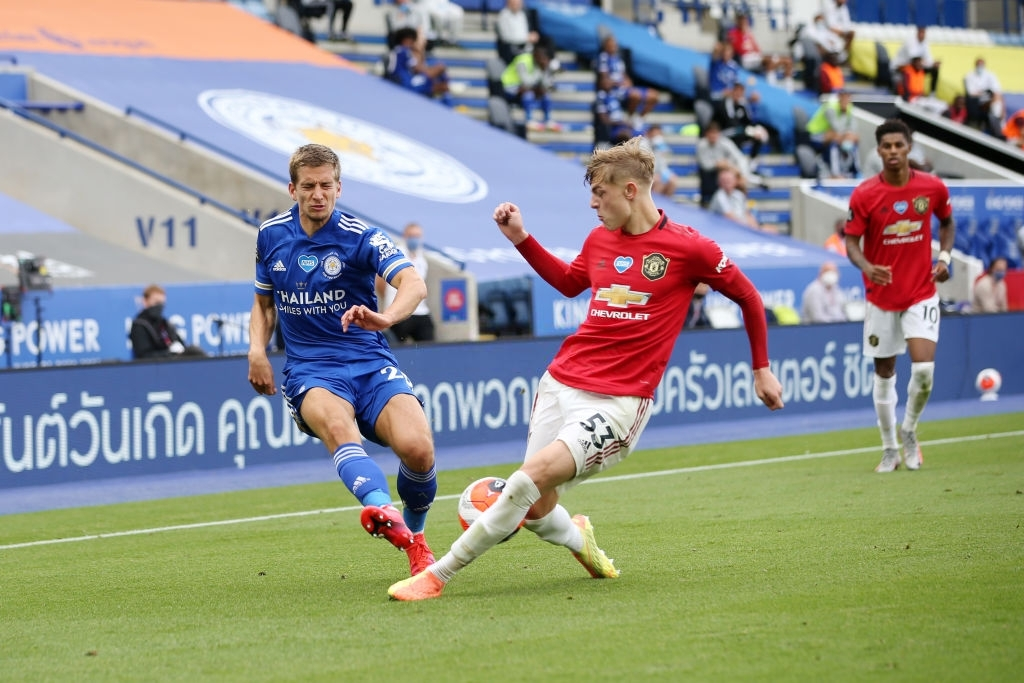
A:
x,y
902,228
620,296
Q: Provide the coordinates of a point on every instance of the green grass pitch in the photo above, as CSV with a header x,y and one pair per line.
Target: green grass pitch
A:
x,y
738,563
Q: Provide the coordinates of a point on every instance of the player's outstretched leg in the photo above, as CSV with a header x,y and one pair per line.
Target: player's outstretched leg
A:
x,y
385,521
417,491
420,555
422,586
590,556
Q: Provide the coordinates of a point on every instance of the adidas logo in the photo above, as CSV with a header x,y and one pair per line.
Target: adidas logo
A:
x,y
358,483
279,266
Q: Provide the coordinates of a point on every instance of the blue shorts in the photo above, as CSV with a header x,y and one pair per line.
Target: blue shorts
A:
x,y
368,384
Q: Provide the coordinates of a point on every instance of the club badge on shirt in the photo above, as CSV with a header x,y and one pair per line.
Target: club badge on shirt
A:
x,y
655,266
921,204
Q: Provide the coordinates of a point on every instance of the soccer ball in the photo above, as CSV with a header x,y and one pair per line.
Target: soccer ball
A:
x,y
988,382
479,496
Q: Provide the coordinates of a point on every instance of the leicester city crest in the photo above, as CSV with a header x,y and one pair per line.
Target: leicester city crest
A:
x,y
369,153
655,266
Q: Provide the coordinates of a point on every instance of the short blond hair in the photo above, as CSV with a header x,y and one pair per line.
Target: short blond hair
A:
x,y
631,160
313,156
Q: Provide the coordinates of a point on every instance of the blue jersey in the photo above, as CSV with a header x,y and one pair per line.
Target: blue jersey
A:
x,y
613,65
315,279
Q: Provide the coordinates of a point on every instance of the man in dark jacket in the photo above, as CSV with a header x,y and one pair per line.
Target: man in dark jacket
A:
x,y
153,335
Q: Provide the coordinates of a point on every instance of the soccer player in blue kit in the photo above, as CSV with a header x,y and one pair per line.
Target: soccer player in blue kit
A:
x,y
315,273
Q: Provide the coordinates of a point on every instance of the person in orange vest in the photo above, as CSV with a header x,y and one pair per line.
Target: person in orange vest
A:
x,y
832,78
1013,131
912,83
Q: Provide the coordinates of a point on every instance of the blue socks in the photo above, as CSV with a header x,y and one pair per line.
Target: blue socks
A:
x,y
367,482
417,491
361,475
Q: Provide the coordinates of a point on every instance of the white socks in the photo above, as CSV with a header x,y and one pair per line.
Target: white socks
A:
x,y
492,527
556,527
918,391
885,407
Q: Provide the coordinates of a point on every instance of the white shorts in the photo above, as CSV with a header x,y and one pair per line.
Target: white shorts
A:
x,y
752,61
886,332
600,430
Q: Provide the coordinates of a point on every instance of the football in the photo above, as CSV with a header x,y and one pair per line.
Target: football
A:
x,y
479,496
989,382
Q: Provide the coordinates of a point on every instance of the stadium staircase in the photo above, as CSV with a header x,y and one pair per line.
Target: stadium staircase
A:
x,y
572,99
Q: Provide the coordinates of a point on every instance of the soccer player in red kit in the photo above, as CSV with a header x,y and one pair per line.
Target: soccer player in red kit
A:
x,y
892,213
595,398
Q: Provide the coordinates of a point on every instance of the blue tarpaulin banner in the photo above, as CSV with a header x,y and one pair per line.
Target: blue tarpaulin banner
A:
x,y
102,421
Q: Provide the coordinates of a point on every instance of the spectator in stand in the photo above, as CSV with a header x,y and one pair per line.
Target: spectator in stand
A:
x,y
1013,131
916,46
823,300
827,42
731,202
446,17
832,126
638,102
333,7
748,52
831,79
513,33
836,242
737,115
723,70
527,80
990,289
957,112
984,99
405,14
716,152
912,86
838,21
154,336
407,67
665,181
611,126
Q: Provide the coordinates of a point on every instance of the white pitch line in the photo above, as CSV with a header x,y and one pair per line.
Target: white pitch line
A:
x,y
600,480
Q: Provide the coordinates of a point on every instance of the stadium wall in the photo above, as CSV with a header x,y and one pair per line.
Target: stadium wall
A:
x,y
116,203
104,421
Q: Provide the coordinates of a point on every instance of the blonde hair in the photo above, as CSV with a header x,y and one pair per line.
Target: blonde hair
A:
x,y
151,290
313,156
631,160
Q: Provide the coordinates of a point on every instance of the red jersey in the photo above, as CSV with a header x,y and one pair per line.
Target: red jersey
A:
x,y
641,286
896,223
743,42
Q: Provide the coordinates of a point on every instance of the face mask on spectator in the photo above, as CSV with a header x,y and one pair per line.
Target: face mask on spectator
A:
x,y
830,278
998,275
413,243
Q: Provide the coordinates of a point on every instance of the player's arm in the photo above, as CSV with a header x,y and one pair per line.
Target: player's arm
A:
x,y
410,290
262,321
569,281
855,227
947,230
727,278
